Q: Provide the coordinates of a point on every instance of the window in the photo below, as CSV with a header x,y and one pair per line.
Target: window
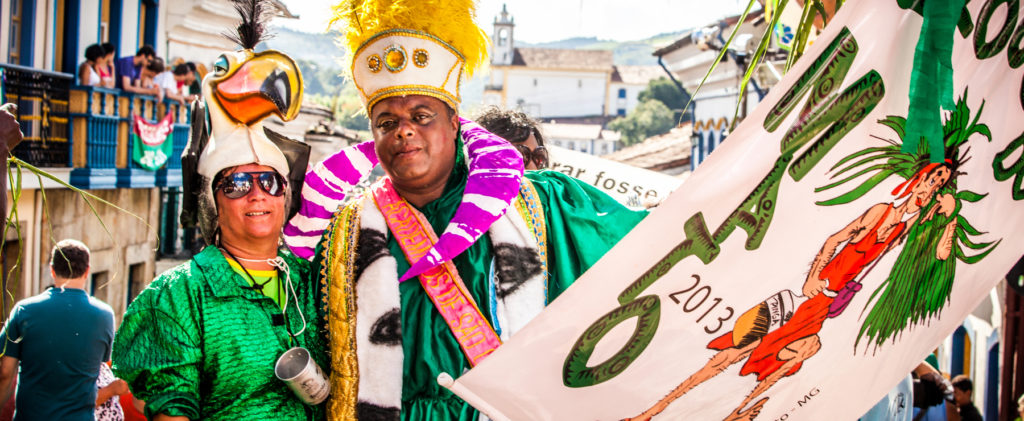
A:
x,y
105,28
572,144
502,37
534,81
135,281
58,53
622,92
143,12
579,83
14,52
621,112
99,285
12,274
148,13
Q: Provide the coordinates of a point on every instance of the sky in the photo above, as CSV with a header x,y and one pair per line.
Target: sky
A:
x,y
552,20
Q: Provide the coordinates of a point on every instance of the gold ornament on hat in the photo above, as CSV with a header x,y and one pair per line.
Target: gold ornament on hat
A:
x,y
374,63
420,57
394,58
442,36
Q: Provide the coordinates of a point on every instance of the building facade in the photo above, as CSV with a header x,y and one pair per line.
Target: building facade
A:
x,y
687,61
586,138
81,137
551,83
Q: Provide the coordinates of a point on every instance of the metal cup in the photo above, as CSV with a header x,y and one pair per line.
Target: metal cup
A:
x,y
296,368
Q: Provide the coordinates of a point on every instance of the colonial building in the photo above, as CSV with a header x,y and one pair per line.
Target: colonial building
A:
x,y
193,27
558,83
687,61
81,136
586,138
626,84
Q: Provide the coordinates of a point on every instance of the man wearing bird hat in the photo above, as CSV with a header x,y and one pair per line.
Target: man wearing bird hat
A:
x,y
455,249
202,340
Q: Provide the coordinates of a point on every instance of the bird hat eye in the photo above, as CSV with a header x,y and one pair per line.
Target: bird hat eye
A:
x,y
220,66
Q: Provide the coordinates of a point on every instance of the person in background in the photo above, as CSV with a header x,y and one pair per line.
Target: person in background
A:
x,y
88,74
521,131
173,82
964,410
106,69
128,69
924,388
58,339
147,83
1020,408
109,388
198,72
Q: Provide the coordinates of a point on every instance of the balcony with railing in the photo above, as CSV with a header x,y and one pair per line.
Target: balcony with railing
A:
x,y
84,133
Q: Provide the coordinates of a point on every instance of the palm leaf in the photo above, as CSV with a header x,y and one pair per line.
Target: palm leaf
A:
x,y
89,199
975,258
857,192
859,153
876,167
897,124
756,59
969,196
722,52
802,35
889,159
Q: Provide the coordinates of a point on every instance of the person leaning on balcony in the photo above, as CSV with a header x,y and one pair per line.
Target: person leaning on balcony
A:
x,y
88,74
172,83
128,69
106,69
147,78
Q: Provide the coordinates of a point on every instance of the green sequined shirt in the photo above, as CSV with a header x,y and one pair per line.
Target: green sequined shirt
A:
x,y
200,343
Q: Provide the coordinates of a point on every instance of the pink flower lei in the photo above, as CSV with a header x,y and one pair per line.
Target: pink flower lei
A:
x,y
495,173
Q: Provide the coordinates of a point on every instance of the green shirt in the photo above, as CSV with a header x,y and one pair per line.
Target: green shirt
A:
x,y
582,224
200,343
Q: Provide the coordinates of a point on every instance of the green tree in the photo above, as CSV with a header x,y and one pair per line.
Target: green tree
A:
x,y
666,91
650,118
310,81
348,109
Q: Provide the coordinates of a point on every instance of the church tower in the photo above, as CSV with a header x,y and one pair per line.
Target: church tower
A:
x,y
501,54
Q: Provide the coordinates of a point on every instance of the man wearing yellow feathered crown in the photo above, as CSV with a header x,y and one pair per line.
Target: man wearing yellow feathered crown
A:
x,y
455,249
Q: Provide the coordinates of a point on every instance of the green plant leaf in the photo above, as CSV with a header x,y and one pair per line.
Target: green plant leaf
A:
x,y
722,52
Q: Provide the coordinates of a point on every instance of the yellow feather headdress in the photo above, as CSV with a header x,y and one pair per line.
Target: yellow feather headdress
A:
x,y
410,47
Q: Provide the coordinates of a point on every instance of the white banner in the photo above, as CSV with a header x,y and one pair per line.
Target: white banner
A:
x,y
619,180
810,206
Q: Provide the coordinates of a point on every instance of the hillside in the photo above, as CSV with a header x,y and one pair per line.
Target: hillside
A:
x,y
319,57
317,47
322,49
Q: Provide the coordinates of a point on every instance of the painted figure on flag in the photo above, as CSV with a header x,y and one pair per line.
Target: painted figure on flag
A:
x,y
776,336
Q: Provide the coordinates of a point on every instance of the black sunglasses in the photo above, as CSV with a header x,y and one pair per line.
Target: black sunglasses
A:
x,y
239,184
539,156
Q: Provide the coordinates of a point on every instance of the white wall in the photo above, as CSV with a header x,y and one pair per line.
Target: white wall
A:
x,y
556,93
631,100
129,27
88,27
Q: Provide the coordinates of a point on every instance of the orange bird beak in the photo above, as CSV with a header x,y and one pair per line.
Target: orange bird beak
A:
x,y
267,83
